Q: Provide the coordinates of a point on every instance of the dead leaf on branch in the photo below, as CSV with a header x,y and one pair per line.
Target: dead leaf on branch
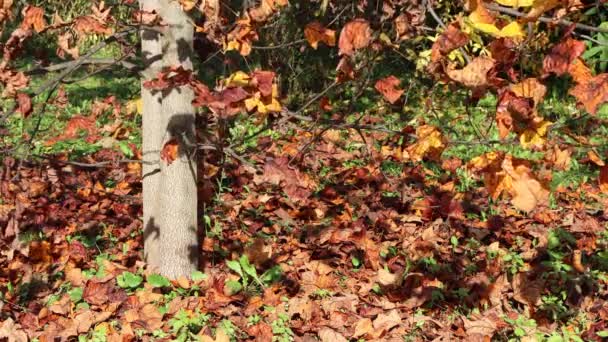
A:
x,y
170,151
475,74
90,25
451,39
562,55
315,32
24,103
389,88
33,18
355,35
430,144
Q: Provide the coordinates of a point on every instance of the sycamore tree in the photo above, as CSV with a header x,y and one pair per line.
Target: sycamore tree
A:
x,y
482,47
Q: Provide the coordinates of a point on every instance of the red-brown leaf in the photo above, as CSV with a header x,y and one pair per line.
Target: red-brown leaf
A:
x,y
170,151
389,88
24,103
355,35
562,54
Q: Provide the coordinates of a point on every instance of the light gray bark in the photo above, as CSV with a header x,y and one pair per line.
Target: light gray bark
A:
x,y
152,120
170,203
177,204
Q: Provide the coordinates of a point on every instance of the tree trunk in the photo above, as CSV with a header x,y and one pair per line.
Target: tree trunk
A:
x,y
152,126
173,214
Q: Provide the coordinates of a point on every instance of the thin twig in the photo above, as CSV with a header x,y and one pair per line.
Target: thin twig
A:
x,y
440,22
562,22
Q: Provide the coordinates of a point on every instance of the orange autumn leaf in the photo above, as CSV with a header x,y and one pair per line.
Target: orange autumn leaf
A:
x,y
170,151
592,93
597,160
504,174
579,71
530,88
33,18
558,158
355,35
389,88
315,32
430,144
526,190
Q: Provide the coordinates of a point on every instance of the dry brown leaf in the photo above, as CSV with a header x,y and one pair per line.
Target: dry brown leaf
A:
x,y
526,190
386,321
592,93
355,35
13,332
475,74
363,327
330,335
315,32
33,18
558,61
389,88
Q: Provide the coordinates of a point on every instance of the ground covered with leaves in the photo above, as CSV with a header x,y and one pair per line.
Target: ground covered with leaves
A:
x,y
339,242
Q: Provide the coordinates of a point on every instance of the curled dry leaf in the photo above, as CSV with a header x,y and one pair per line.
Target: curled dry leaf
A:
x,y
449,40
5,10
389,88
24,103
33,18
526,190
355,35
315,32
65,46
149,18
475,74
90,25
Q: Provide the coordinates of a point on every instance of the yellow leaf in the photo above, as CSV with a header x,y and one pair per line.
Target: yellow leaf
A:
x,y
535,137
513,30
232,45
516,3
430,143
135,106
252,102
238,79
274,106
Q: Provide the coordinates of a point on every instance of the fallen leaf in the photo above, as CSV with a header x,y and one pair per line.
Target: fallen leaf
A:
x,y
330,335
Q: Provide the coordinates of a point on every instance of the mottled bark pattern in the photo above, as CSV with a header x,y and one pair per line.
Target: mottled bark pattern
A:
x,y
172,218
